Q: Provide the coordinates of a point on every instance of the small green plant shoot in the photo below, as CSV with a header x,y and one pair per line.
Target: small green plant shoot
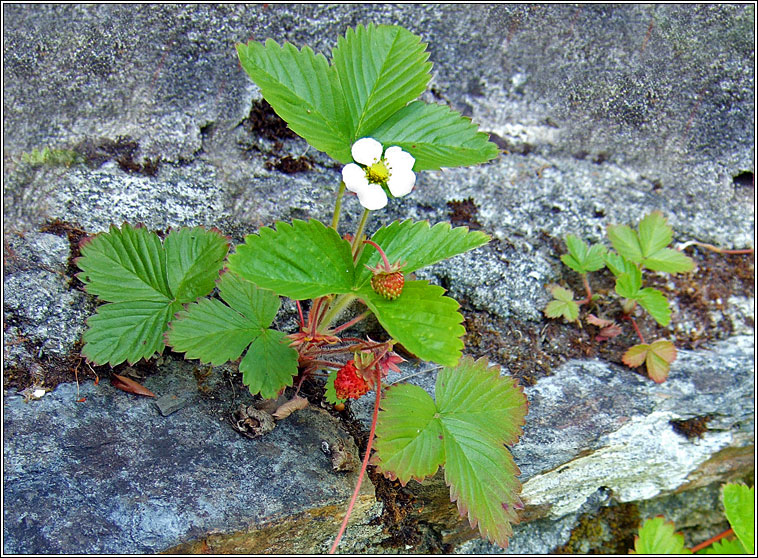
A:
x,y
362,109
645,248
657,536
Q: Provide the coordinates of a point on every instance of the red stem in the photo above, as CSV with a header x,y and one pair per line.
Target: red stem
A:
x,y
352,322
712,540
300,311
381,252
363,466
587,290
637,329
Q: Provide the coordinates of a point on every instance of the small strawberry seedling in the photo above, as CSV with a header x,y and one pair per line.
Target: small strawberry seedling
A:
x,y
645,248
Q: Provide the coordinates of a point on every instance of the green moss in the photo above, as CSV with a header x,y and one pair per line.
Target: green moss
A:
x,y
52,157
610,530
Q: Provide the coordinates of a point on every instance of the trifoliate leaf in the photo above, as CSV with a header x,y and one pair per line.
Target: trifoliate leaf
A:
x,y
417,245
147,281
304,91
563,305
215,333
302,260
381,69
739,506
424,321
656,303
582,258
436,136
648,246
657,357
476,414
657,536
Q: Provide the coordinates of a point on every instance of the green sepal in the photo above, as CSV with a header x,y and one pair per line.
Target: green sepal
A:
x,y
476,414
300,260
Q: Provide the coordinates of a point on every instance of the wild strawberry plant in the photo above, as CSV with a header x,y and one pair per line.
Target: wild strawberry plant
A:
x,y
362,110
645,248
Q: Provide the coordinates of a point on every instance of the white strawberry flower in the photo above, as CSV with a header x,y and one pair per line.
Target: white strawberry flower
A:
x,y
374,171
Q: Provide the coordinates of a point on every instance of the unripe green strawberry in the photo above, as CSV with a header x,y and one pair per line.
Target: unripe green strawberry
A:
x,y
389,285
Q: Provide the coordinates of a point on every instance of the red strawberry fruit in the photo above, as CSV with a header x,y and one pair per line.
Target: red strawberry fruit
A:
x,y
388,280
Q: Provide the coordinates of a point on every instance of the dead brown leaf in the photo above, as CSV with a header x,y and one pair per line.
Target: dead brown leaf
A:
x,y
127,384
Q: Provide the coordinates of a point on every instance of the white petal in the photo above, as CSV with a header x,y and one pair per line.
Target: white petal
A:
x,y
354,177
373,197
367,151
397,159
401,183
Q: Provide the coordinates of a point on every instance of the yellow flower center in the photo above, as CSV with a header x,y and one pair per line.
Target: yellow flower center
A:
x,y
378,173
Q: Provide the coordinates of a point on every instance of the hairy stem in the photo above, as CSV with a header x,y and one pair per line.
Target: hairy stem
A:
x,y
381,253
357,239
637,329
714,248
339,304
352,322
712,540
378,388
338,205
587,290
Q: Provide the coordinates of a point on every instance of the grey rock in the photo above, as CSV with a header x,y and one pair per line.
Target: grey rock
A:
x,y
617,111
112,475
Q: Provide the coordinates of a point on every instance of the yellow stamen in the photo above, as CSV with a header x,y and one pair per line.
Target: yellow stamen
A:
x,y
378,173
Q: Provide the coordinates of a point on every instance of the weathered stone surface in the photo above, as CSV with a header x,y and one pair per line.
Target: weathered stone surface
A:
x,y
112,475
612,112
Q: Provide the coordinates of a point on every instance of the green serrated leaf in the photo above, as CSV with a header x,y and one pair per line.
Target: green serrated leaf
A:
x,y
436,136
582,258
127,331
669,261
618,264
193,257
657,536
427,323
146,281
626,242
476,414
563,305
648,246
381,69
125,264
725,546
269,364
216,333
304,91
654,233
302,260
409,434
739,506
418,245
656,303
628,284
